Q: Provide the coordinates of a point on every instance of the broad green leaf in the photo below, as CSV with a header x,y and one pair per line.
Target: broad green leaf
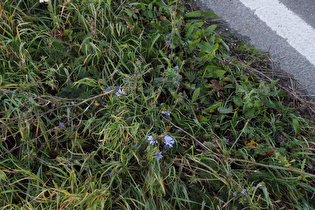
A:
x,y
195,95
3,176
219,73
238,101
224,110
159,27
296,125
200,14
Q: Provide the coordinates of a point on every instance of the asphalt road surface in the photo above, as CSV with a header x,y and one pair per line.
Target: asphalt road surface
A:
x,y
284,28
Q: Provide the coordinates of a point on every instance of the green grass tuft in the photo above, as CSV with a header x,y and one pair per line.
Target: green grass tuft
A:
x,y
142,105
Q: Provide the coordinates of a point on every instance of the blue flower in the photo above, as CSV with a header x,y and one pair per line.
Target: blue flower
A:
x,y
120,92
151,139
159,156
136,73
170,35
118,71
165,147
111,174
179,130
230,174
117,87
107,89
67,165
227,140
244,191
72,128
176,67
87,168
61,124
166,112
134,146
234,194
176,79
163,119
169,43
168,141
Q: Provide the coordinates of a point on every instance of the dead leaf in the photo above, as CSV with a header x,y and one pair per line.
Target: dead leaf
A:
x,y
251,143
168,128
216,85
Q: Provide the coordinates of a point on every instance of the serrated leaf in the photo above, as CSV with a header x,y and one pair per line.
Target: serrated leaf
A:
x,y
195,95
193,44
210,29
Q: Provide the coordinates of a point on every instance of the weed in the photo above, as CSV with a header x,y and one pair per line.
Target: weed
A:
x,y
136,104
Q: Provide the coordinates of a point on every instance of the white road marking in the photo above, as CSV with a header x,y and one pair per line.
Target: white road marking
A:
x,y
286,24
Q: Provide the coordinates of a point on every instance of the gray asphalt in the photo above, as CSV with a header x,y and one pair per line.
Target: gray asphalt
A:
x,y
247,26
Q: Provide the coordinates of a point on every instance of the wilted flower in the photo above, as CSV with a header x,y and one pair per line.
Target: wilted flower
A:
x,y
111,174
168,141
165,147
159,155
117,87
72,128
234,194
169,43
136,73
117,71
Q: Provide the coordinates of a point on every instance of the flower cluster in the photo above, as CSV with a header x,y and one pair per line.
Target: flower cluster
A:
x,y
166,112
168,142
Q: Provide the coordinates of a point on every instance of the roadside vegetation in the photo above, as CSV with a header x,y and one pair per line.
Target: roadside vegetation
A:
x,y
142,104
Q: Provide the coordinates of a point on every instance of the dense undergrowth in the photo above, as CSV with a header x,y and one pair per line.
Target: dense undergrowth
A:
x,y
139,105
